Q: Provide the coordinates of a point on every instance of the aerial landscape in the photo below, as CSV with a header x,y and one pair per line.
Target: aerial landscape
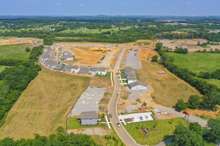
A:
x,y
92,73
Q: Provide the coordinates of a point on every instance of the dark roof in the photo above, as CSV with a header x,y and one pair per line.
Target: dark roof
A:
x,y
136,84
84,70
130,73
88,115
95,69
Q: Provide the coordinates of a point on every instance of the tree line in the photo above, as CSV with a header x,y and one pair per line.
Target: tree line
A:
x,y
211,93
195,135
15,79
61,138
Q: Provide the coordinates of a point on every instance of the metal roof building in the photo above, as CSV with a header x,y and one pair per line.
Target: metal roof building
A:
x,y
88,118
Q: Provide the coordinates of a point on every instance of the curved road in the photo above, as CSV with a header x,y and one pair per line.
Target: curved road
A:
x,y
112,107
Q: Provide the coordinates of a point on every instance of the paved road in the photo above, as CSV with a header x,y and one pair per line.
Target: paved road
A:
x,y
112,108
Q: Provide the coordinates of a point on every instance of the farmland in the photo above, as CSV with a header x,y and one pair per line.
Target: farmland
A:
x,y
14,52
43,106
197,63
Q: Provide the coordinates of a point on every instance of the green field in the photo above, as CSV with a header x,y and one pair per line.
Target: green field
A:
x,y
13,52
157,130
2,68
196,62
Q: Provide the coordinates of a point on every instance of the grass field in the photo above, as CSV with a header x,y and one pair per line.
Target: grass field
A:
x,y
196,62
157,130
214,82
13,52
2,68
167,87
44,105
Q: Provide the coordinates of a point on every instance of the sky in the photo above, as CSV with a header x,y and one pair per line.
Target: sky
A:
x,y
110,7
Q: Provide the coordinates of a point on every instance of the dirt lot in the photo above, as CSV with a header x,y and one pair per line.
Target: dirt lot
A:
x,y
203,113
90,54
43,106
20,41
191,44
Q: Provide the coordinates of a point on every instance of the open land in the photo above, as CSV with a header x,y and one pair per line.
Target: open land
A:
x,y
192,45
197,62
14,52
20,41
167,87
44,105
89,54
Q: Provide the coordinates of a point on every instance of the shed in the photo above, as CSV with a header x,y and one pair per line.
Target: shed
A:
x,y
88,118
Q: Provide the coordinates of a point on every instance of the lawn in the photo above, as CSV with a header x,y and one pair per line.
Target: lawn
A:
x,y
196,62
167,87
73,123
157,130
44,105
14,52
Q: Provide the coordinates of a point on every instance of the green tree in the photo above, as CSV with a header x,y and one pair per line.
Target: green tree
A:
x,y
159,46
180,105
213,133
194,101
183,136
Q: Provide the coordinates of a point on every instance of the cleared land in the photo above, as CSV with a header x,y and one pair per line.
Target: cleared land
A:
x,y
44,105
157,130
89,53
14,52
167,88
20,41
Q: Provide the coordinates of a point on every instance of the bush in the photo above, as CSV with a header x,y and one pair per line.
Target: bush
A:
x,y
180,105
194,101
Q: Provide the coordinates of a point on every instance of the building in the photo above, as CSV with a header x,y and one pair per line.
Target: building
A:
x,y
88,118
137,86
83,70
101,71
130,75
75,69
68,56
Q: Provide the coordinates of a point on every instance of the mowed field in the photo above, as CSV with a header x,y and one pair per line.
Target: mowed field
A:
x,y
14,52
44,105
196,62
